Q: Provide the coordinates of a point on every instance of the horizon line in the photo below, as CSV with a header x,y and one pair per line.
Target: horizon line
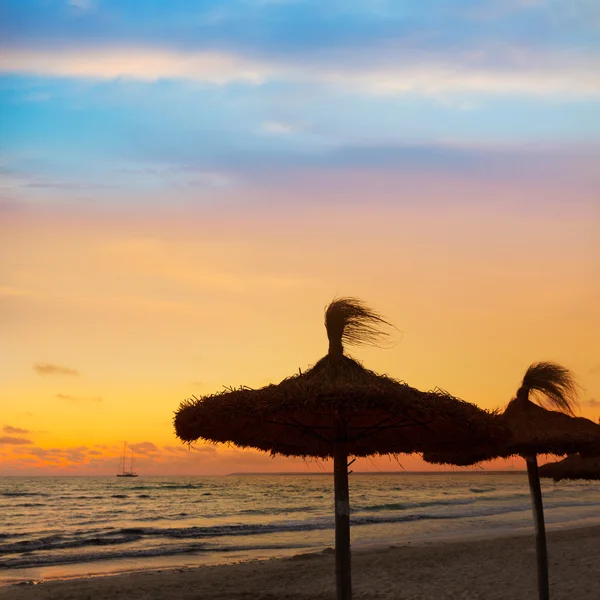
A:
x,y
288,473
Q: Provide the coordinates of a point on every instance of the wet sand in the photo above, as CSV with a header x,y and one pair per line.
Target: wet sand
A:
x,y
493,569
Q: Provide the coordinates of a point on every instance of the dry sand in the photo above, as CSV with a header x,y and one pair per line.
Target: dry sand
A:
x,y
493,569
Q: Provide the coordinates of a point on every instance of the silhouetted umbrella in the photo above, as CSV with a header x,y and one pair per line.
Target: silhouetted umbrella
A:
x,y
533,430
572,467
337,409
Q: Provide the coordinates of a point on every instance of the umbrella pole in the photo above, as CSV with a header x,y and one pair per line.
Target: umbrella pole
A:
x,y
540,528
342,522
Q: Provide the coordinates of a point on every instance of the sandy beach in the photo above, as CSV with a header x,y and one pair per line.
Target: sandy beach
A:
x,y
500,568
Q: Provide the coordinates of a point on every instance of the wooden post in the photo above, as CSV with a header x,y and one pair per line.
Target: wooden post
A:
x,y
540,528
342,515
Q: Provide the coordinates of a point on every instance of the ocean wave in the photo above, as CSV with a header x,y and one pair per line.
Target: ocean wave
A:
x,y
23,562
276,510
186,486
82,497
393,506
60,542
325,522
83,538
124,535
11,494
101,519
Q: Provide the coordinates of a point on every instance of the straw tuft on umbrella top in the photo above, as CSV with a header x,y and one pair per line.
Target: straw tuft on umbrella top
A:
x,y
349,320
536,430
530,428
555,383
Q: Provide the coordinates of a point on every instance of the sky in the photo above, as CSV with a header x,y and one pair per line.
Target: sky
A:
x,y
184,186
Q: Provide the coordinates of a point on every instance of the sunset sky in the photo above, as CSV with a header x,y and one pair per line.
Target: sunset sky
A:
x,y
185,185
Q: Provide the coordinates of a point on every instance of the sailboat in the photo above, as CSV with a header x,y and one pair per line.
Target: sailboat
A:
x,y
123,472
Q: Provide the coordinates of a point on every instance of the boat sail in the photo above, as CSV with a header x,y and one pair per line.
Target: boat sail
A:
x,y
123,471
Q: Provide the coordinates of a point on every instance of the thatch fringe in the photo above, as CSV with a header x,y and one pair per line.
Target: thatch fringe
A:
x,y
297,417
349,321
557,387
462,459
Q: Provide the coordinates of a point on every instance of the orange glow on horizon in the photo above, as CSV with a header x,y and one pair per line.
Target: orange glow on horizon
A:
x,y
142,311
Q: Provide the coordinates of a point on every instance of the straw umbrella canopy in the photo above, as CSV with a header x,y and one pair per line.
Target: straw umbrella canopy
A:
x,y
533,430
337,409
572,467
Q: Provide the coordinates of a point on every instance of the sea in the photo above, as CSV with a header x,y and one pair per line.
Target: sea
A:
x,y
63,527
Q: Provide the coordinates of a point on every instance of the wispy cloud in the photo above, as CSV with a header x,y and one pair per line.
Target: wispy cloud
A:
x,y
17,441
381,72
204,449
37,97
144,448
278,127
50,369
17,430
77,399
71,455
176,449
81,4
142,64
182,175
68,185
592,403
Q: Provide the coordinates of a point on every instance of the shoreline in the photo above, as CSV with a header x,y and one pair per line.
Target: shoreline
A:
x,y
312,572
119,566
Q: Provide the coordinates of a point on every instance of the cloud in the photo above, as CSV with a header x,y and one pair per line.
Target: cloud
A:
x,y
68,185
384,71
78,398
204,449
37,97
144,447
17,441
176,449
595,370
183,175
592,403
45,453
10,429
81,4
142,64
50,369
277,127
76,455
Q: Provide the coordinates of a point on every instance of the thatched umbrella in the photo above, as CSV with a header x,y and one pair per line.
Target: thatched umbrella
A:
x,y
574,466
533,430
335,410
